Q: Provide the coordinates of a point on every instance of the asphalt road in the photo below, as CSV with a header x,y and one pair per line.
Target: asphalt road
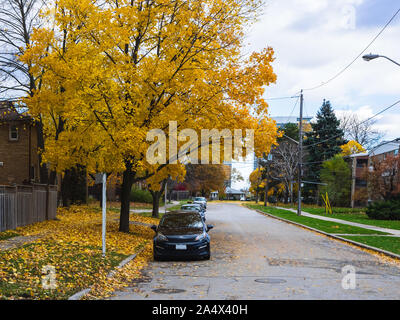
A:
x,y
257,257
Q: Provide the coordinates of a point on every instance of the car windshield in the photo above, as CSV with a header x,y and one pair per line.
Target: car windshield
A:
x,y
181,221
190,208
199,199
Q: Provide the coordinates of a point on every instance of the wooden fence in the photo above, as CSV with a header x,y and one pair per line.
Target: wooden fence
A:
x,y
23,205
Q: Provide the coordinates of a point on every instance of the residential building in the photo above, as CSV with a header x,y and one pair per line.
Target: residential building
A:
x,y
382,150
19,161
390,177
282,120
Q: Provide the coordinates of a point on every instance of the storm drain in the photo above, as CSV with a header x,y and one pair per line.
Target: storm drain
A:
x,y
270,280
168,291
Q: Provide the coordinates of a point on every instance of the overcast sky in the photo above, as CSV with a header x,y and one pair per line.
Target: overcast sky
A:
x,y
315,39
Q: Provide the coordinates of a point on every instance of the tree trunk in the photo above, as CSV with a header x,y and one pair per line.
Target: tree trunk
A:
x,y
43,172
65,192
266,194
127,182
286,194
291,193
53,177
156,203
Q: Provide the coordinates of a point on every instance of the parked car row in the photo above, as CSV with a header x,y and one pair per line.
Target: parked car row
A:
x,y
195,207
183,233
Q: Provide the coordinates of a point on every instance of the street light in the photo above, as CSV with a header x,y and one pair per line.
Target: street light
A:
x,y
369,57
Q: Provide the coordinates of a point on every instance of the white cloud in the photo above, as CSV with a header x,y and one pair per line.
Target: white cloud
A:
x,y
313,41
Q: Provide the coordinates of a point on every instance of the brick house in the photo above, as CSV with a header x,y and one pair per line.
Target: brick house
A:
x,y
381,153
19,161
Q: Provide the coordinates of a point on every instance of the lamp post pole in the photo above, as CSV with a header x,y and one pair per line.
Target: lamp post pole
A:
x,y
369,57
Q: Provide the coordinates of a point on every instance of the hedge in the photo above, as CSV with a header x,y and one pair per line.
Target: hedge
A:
x,y
384,210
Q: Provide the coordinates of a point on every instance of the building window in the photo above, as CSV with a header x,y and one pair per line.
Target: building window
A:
x,y
361,182
13,132
361,163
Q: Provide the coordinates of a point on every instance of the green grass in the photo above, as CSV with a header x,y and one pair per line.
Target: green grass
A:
x,y
325,226
8,234
391,244
161,212
350,214
178,206
357,217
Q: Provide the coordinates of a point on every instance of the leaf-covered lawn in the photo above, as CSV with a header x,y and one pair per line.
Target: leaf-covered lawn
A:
x,y
326,226
8,235
72,245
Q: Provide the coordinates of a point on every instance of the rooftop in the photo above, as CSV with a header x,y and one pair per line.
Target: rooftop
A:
x,y
8,112
386,146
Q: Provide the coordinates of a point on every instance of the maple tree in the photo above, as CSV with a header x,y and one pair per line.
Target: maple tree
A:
x,y
205,178
113,70
351,147
257,184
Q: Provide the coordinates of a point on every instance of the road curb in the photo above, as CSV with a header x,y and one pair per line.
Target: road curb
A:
x,y
330,235
80,294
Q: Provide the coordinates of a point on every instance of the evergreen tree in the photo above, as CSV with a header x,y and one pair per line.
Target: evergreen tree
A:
x,y
291,130
321,144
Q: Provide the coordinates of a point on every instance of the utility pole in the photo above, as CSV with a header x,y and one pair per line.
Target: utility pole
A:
x,y
300,155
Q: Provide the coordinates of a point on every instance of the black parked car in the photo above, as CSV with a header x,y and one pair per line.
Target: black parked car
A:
x,y
195,207
181,234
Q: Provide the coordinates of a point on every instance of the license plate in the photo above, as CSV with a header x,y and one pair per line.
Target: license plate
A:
x,y
181,247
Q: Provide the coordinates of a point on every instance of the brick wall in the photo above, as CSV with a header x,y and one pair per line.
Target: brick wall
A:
x,y
18,156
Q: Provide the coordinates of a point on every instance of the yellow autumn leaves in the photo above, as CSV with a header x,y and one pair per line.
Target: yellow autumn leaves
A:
x,y
72,245
109,74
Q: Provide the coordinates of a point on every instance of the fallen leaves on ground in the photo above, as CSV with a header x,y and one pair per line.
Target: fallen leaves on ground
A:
x,y
72,245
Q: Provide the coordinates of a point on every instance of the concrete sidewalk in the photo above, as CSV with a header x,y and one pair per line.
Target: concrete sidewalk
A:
x,y
355,224
16,242
161,209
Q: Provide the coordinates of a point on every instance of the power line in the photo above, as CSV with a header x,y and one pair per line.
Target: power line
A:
x,y
294,107
283,98
358,56
362,122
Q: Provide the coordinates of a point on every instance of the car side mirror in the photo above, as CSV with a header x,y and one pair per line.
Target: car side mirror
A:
x,y
209,227
154,228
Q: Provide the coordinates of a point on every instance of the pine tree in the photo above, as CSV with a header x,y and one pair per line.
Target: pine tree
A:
x,y
321,144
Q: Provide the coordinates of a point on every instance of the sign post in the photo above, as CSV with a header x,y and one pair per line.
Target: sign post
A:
x,y
104,214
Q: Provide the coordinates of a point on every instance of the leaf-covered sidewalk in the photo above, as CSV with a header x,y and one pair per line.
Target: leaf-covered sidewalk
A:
x,y
72,245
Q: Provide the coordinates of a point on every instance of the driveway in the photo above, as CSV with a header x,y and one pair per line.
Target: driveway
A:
x,y
257,257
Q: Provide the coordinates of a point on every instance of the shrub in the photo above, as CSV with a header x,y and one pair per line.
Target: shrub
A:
x,y
384,210
142,196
